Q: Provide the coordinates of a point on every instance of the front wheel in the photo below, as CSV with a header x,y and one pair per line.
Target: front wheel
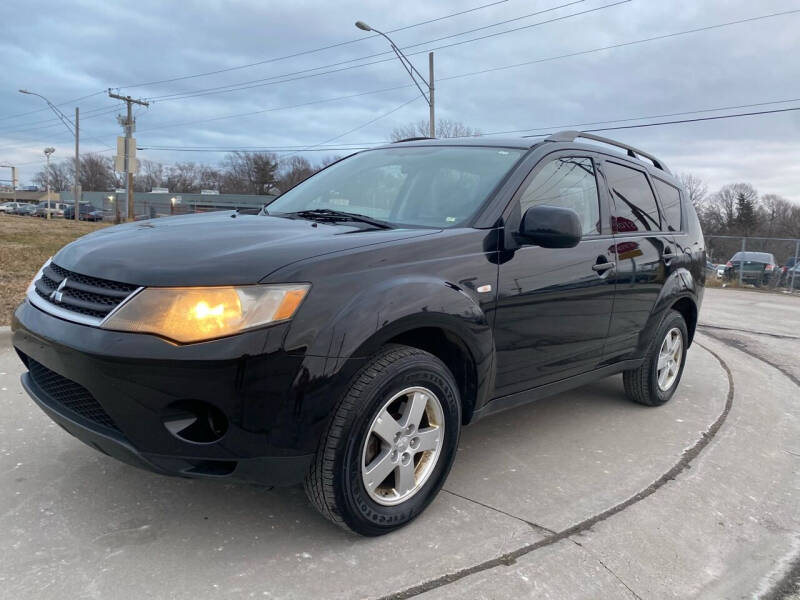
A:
x,y
389,445
655,381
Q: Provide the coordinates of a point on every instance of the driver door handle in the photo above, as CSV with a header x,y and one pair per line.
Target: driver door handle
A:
x,y
602,267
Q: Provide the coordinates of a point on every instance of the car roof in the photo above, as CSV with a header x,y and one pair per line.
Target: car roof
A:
x,y
596,144
493,142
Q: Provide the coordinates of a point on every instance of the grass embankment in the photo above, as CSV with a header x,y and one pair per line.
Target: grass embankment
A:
x,y
25,243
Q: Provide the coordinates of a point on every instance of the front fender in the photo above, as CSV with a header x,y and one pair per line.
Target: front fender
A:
x,y
381,312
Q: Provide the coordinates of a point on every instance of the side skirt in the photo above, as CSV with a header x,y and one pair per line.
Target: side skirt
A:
x,y
518,399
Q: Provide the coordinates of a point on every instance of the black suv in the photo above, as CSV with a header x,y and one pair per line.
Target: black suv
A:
x,y
344,336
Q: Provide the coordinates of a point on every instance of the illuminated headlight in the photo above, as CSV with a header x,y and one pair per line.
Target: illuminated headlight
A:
x,y
195,314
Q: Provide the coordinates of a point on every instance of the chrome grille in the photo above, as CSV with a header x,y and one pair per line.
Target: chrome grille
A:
x,y
64,290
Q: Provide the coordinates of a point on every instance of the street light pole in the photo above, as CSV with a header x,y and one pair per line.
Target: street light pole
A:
x,y
73,129
47,153
412,72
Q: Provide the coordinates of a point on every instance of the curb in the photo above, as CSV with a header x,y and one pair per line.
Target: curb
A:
x,y
5,334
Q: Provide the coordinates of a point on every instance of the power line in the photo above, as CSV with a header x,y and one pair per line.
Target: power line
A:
x,y
349,131
308,73
181,95
660,116
38,110
622,44
92,113
313,50
511,66
159,126
698,119
367,144
220,90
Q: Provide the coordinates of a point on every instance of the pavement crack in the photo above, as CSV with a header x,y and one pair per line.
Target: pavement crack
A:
x,y
509,558
539,528
753,331
607,568
743,347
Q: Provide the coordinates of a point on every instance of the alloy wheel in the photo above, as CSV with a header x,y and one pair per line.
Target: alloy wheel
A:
x,y
402,446
669,359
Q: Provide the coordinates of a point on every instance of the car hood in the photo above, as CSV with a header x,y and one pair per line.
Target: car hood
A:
x,y
219,248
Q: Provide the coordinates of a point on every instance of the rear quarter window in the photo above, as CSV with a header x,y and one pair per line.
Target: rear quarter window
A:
x,y
670,198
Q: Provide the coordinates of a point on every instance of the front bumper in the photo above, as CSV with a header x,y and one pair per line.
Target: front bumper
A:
x,y
133,380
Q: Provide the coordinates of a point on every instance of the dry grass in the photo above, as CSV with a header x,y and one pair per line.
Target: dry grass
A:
x,y
25,243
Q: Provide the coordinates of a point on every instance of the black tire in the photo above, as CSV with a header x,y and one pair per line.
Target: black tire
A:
x,y
641,384
334,482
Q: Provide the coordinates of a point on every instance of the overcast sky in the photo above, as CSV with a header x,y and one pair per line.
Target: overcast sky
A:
x,y
66,50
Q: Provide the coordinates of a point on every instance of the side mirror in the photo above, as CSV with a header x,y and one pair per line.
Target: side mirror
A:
x,y
551,227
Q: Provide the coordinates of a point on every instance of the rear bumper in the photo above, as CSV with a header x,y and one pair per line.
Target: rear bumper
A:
x,y
272,401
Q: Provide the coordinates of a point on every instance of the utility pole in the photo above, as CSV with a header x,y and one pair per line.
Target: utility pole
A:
x,y
130,150
430,94
77,187
47,153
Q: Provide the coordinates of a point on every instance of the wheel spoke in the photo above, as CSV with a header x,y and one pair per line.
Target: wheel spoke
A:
x,y
428,439
662,361
378,470
386,427
415,408
404,477
662,378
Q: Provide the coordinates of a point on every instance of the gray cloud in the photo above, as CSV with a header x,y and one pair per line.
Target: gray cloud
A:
x,y
67,51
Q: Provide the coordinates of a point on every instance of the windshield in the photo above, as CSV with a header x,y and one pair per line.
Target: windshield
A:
x,y
429,186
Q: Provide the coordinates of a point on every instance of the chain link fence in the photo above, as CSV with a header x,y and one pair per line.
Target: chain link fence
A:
x,y
761,262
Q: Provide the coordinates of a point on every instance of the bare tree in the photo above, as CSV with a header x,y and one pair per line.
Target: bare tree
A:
x,y
97,173
292,171
722,206
184,178
445,128
695,188
61,176
151,175
249,172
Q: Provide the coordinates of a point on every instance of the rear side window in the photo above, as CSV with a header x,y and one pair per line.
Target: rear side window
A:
x,y
635,204
568,182
670,205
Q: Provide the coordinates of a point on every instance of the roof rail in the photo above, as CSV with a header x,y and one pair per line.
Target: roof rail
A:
x,y
570,136
413,139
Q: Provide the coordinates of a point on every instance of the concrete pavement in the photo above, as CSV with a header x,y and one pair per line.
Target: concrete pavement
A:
x,y
584,495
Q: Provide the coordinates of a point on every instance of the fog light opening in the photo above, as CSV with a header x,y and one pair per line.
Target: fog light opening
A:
x,y
195,421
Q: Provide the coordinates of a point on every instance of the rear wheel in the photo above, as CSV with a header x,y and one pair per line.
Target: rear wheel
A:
x,y
656,380
389,445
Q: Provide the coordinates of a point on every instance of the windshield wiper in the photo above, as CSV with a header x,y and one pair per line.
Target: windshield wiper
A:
x,y
338,215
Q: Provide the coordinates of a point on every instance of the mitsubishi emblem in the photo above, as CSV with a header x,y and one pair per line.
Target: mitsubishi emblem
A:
x,y
57,294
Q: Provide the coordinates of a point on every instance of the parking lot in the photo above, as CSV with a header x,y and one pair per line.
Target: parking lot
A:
x,y
583,495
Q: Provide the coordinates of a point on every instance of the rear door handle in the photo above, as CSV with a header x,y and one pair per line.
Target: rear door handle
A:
x,y
603,267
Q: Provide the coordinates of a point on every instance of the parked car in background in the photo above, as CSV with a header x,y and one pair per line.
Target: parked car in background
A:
x,y
25,209
86,212
9,207
56,209
721,271
757,268
711,269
